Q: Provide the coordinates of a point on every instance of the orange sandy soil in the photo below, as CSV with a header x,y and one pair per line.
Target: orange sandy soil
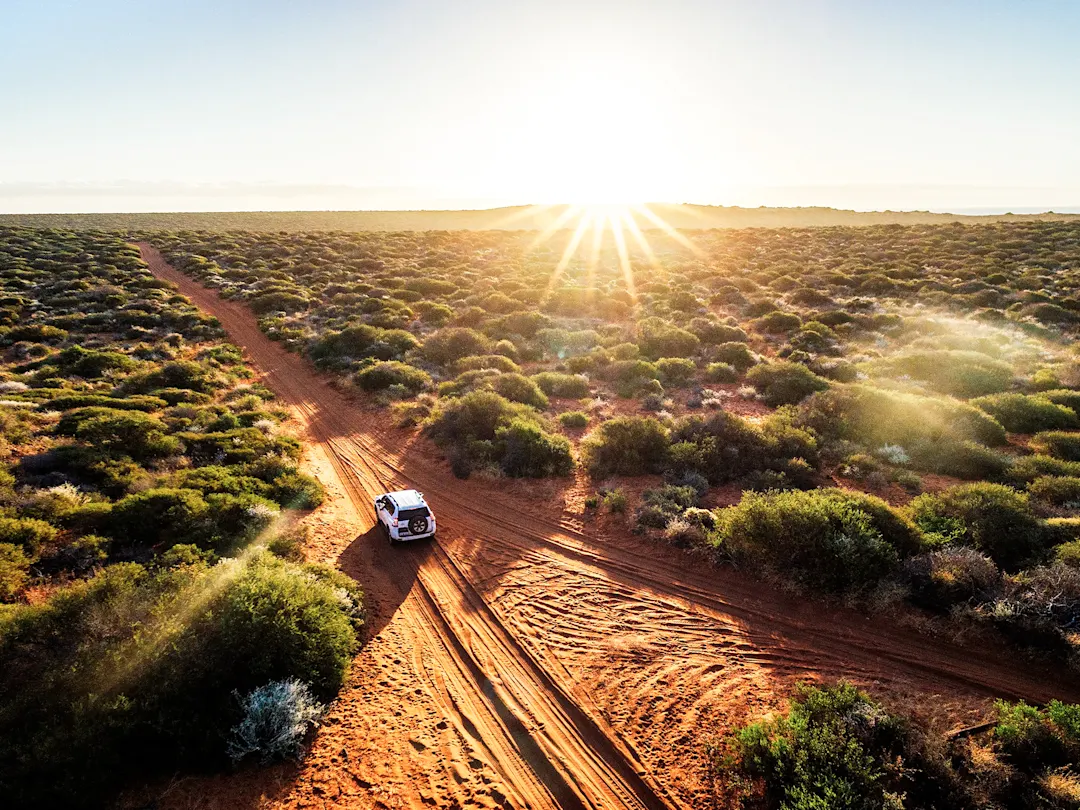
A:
x,y
536,656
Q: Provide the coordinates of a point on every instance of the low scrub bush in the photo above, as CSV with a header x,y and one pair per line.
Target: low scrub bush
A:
x,y
721,373
1057,443
1068,553
675,371
277,718
785,383
1063,396
960,459
563,386
724,447
735,354
29,534
1026,469
530,452
828,539
992,518
874,416
950,576
836,748
959,373
574,420
452,344
387,373
1057,490
483,428
659,338
1027,413
626,445
498,362
14,570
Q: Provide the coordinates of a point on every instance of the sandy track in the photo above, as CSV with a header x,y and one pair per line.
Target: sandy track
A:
x,y
521,661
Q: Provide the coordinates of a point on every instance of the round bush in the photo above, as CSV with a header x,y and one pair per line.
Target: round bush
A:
x,y
382,375
784,383
721,373
992,518
1027,413
626,445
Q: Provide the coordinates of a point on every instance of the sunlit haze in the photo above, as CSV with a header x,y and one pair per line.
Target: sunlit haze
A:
x,y
150,106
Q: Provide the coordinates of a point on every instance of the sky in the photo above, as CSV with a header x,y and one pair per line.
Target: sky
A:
x,y
144,105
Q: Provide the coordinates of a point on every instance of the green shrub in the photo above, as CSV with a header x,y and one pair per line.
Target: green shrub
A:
x,y
1027,413
91,363
186,374
574,420
471,429
658,338
959,459
530,452
129,403
452,344
160,516
614,500
132,433
992,518
360,341
721,373
1059,490
724,447
1063,396
676,371
735,354
296,490
626,445
951,576
14,571
148,686
875,417
1058,444
563,386
784,383
836,748
828,539
518,388
778,323
1068,553
1026,469
495,361
514,387
382,375
1037,739
959,373
29,534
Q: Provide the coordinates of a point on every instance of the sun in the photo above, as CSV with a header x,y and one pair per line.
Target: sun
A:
x,y
591,225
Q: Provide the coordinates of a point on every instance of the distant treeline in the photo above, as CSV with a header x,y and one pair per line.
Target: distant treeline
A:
x,y
513,218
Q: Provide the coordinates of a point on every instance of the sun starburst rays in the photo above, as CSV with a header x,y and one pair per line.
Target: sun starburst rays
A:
x,y
578,221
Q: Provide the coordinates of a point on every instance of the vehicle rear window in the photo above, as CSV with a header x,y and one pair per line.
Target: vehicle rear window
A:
x,y
409,514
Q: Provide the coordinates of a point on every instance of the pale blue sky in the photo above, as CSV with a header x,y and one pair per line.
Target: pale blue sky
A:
x,y
233,104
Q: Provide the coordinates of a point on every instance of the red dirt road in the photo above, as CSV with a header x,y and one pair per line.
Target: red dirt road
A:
x,y
527,660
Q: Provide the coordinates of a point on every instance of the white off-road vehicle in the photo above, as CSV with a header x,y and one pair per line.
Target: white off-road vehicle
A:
x,y
404,515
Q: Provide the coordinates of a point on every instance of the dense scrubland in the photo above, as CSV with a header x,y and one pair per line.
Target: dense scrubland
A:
x,y
525,217
898,405
884,415
159,614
